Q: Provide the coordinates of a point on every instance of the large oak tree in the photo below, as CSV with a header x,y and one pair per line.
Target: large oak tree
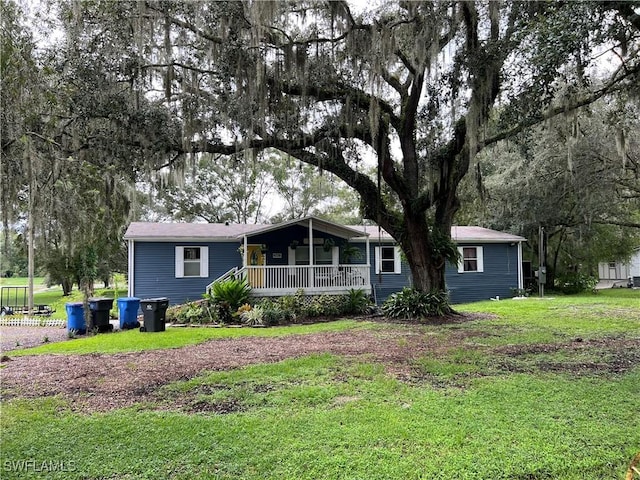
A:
x,y
416,86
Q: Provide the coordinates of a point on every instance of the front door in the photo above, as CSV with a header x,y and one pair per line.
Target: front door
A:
x,y
255,259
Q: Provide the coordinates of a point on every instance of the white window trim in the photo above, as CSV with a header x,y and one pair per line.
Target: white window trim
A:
x,y
397,264
479,258
204,261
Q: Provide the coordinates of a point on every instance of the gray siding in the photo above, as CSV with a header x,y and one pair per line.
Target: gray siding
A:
x,y
499,276
155,270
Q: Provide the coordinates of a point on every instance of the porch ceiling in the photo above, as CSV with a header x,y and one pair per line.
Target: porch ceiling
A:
x,y
319,224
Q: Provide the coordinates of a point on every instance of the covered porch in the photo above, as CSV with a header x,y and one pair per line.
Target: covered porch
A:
x,y
311,254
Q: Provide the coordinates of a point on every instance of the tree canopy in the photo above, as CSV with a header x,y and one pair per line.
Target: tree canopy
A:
x,y
415,88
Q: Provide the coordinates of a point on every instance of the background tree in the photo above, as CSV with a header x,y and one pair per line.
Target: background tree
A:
x,y
576,176
303,188
75,136
218,188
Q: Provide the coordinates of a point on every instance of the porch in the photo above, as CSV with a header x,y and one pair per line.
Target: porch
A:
x,y
271,280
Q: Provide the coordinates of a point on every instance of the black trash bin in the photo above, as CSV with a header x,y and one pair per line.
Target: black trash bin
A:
x,y
154,311
100,308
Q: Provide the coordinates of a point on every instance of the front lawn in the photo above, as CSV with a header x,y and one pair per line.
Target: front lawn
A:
x,y
542,389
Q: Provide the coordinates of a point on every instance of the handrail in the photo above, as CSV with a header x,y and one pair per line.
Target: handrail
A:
x,y
233,272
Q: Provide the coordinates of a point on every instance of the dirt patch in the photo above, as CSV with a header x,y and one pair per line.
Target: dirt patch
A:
x,y
610,355
13,338
219,407
103,382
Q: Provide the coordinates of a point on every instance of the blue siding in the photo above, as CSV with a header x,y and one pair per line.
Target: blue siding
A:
x,y
155,270
155,265
384,284
499,276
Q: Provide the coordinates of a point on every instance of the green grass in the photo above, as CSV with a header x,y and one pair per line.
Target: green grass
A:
x,y
20,281
324,417
136,341
559,318
468,412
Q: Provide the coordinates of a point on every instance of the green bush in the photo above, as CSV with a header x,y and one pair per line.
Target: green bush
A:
x,y
274,314
234,292
413,304
576,282
355,302
324,306
227,297
293,305
192,312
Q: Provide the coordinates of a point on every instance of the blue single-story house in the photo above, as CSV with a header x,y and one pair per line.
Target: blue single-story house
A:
x,y
181,261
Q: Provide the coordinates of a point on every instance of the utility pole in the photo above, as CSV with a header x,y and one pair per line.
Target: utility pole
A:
x,y
30,236
542,267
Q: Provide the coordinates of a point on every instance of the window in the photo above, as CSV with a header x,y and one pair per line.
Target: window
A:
x,y
301,255
192,262
388,259
471,259
322,257
612,264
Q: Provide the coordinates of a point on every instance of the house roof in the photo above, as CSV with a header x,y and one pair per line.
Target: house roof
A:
x,y
228,232
480,234
325,226
187,231
231,232
462,234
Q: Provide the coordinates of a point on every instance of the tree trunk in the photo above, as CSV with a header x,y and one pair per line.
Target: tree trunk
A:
x,y
67,286
427,274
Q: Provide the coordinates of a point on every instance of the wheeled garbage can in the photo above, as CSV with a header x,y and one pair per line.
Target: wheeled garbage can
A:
x,y
128,312
100,308
75,318
154,311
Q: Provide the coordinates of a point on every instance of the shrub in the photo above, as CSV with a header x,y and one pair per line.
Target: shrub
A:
x,y
192,312
274,314
244,308
233,291
293,305
576,282
253,317
355,302
413,304
227,297
324,306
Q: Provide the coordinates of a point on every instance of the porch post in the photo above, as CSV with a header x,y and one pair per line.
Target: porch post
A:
x,y
311,248
246,252
520,272
368,252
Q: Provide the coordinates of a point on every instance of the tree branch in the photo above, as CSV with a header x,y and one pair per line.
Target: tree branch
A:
x,y
610,87
618,223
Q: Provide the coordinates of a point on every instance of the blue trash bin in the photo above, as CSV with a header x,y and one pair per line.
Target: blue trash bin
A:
x,y
128,312
75,318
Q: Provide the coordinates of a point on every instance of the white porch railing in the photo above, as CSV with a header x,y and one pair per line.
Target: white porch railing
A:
x,y
273,280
